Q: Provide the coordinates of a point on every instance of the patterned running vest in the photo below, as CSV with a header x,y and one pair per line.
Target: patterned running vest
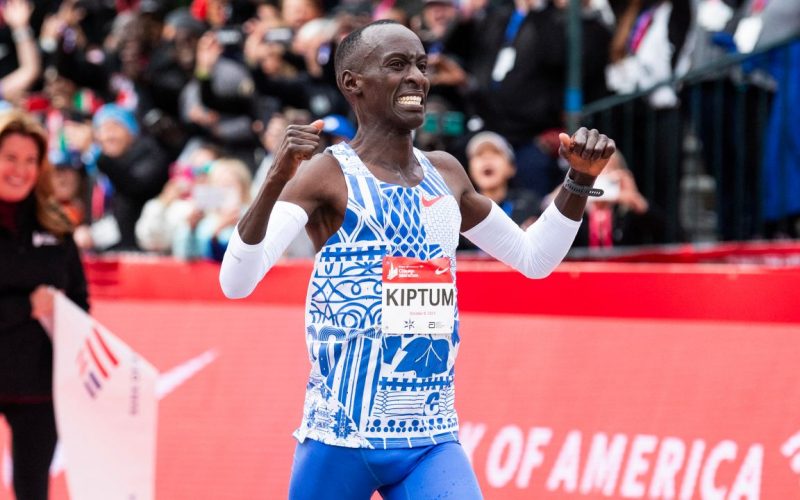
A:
x,y
368,389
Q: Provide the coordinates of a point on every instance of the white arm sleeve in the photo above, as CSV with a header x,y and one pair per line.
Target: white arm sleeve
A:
x,y
535,252
245,265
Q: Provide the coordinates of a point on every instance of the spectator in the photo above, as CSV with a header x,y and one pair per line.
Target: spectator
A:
x,y
220,101
433,24
516,56
135,165
277,81
335,129
443,128
69,179
314,44
162,215
781,172
169,70
37,256
622,216
491,168
296,13
646,48
14,85
224,198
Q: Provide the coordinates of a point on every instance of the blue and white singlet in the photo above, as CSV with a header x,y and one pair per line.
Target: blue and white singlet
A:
x,y
368,389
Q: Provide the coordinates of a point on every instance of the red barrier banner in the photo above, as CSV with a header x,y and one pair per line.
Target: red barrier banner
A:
x,y
560,408
551,407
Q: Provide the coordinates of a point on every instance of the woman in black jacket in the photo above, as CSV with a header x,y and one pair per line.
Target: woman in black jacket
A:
x,y
37,256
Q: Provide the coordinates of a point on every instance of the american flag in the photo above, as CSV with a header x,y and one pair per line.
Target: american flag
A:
x,y
95,362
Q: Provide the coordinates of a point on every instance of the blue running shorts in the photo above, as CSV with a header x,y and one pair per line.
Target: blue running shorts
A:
x,y
439,471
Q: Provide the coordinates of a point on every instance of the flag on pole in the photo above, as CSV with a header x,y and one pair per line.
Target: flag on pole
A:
x,y
106,409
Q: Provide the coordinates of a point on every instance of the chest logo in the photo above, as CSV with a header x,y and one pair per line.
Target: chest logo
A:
x,y
428,202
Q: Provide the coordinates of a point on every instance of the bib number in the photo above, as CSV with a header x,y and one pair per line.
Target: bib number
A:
x,y
417,296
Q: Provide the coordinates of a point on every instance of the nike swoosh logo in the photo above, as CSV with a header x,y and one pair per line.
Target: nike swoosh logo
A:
x,y
166,384
441,271
172,379
429,202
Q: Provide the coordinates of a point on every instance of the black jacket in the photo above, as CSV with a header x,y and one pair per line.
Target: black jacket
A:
x,y
137,175
31,257
530,99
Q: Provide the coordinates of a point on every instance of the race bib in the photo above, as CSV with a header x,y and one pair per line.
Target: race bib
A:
x,y
418,296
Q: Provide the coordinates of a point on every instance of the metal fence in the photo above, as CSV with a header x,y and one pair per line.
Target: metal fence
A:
x,y
702,161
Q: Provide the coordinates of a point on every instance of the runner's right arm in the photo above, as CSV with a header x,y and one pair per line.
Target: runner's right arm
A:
x,y
279,212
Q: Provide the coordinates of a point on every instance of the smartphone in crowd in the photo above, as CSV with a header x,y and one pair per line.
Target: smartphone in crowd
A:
x,y
610,187
208,197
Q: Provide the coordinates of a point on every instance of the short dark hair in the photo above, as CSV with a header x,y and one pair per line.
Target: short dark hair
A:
x,y
347,47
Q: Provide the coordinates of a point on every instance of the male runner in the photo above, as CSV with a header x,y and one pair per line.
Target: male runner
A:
x,y
381,315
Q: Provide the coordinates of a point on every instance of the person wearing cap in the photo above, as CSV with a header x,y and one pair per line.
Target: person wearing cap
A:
x,y
385,217
172,62
136,166
335,129
491,168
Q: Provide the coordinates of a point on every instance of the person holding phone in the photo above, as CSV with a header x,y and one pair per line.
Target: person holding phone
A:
x,y
218,203
622,216
37,256
379,409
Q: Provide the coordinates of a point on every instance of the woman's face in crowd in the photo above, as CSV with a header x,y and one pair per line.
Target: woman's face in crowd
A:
x,y
19,167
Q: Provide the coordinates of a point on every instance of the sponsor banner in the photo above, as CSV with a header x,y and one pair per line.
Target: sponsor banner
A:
x,y
630,409
550,407
106,409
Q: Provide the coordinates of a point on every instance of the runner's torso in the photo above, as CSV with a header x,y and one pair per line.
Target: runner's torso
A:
x,y
382,317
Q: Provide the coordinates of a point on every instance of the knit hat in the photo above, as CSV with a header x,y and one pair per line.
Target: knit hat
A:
x,y
119,115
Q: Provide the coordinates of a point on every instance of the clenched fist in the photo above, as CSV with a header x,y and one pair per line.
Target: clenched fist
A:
x,y
587,151
299,143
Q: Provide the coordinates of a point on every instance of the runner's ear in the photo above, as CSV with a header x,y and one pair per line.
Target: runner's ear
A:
x,y
350,82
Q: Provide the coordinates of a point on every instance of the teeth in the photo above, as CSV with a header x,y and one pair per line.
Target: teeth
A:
x,y
15,181
410,100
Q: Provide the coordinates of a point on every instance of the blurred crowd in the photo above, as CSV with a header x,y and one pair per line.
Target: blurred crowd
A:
x,y
163,115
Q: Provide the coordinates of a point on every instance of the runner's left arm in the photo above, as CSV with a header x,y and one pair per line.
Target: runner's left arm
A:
x,y
536,251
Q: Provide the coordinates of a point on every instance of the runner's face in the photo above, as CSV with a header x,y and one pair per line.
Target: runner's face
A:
x,y
394,82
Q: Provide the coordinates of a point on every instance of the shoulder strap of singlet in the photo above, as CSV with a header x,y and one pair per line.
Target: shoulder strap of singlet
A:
x,y
364,201
433,183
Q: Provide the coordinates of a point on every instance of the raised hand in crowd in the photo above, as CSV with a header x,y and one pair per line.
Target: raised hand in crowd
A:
x,y
255,48
629,195
209,50
443,70
17,15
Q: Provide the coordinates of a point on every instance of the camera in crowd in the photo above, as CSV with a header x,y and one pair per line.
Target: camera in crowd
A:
x,y
230,36
279,35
